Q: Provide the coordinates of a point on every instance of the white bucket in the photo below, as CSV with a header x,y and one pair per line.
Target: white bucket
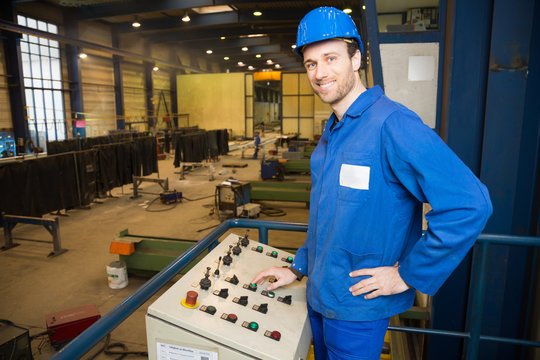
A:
x,y
117,275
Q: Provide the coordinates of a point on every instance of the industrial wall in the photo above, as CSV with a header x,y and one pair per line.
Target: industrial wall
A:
x,y
97,77
5,108
303,111
213,101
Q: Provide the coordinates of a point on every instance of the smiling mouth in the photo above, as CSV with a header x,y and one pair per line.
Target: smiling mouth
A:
x,y
327,85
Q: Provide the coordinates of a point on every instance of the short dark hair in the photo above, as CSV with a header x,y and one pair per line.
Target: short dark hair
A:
x,y
352,46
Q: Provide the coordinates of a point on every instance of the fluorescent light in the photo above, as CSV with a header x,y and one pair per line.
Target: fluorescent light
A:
x,y
186,18
269,61
223,38
83,55
212,9
363,7
136,24
277,66
240,63
209,51
226,58
245,48
257,13
347,10
258,55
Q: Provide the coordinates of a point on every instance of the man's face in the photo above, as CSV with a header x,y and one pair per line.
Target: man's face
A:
x,y
330,70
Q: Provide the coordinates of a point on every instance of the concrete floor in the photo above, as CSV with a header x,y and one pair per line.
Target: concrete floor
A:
x,y
33,285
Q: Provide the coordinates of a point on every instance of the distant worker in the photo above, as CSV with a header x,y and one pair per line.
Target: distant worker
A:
x,y
374,166
256,143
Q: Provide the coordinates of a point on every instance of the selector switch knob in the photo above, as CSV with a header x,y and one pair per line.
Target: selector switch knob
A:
x,y
243,300
237,249
233,280
224,293
263,308
286,300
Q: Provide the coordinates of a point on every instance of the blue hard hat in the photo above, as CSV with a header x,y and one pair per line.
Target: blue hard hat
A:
x,y
325,23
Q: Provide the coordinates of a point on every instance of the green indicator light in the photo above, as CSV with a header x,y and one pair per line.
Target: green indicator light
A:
x,y
211,308
271,294
289,258
253,325
253,285
274,252
259,247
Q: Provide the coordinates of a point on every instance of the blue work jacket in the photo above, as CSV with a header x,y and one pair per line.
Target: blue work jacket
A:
x,y
370,175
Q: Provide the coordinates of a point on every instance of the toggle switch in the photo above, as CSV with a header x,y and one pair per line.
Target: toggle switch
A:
x,y
272,254
237,249
270,294
190,300
224,293
242,300
205,282
227,259
252,287
208,309
286,300
253,326
275,335
233,280
229,317
263,308
245,241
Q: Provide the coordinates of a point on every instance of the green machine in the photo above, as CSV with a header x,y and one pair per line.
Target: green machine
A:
x,y
147,255
280,191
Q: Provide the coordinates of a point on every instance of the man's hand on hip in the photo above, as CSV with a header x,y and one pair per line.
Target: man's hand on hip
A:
x,y
383,280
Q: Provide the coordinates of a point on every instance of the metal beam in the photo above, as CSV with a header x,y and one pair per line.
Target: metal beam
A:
x,y
135,7
118,87
7,25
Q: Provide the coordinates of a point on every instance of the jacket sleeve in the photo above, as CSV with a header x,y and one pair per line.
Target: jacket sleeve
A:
x,y
432,173
300,262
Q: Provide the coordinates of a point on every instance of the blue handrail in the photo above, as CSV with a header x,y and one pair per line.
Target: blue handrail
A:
x,y
89,338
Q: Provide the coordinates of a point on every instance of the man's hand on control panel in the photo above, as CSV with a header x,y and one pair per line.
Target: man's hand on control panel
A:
x,y
284,276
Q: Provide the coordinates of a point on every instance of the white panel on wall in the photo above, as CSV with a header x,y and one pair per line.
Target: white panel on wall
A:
x,y
419,96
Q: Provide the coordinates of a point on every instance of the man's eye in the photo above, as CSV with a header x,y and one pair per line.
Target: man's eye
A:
x,y
310,66
331,58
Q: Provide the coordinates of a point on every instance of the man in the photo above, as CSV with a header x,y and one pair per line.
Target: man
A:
x,y
257,143
375,165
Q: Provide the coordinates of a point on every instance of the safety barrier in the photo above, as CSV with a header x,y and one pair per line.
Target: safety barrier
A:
x,y
89,338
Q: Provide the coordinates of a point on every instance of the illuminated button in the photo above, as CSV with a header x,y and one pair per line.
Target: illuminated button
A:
x,y
252,287
270,294
211,310
276,335
229,317
253,326
273,254
289,259
259,249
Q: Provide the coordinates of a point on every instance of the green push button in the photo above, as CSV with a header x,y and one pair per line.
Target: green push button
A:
x,y
253,325
290,259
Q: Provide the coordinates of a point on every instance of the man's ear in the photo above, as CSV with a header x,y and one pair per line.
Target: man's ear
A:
x,y
356,60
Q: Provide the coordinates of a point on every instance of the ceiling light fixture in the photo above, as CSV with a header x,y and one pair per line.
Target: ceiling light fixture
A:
x,y
257,13
186,18
155,68
82,55
136,24
223,38
347,10
363,7
209,51
240,63
277,66
293,46
258,55
245,48
269,61
226,58
250,67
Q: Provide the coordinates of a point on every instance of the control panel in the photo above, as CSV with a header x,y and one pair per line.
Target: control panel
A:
x,y
215,312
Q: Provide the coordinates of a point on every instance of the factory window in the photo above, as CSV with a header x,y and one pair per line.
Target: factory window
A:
x,y
43,83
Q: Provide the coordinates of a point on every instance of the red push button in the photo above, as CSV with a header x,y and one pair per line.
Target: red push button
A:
x,y
276,335
191,300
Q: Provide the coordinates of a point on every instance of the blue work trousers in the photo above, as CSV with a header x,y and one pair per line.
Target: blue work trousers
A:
x,y
347,340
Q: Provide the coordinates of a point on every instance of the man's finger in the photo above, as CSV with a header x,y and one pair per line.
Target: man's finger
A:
x,y
363,272
373,295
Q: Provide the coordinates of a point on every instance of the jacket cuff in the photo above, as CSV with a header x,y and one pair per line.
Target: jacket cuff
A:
x,y
298,274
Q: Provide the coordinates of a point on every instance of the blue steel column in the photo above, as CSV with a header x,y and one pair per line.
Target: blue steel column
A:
x,y
373,40
174,96
17,101
149,86
74,76
468,34
508,154
118,86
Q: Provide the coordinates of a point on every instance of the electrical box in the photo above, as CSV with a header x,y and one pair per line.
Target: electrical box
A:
x,y
204,317
272,169
14,341
65,325
232,195
7,145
